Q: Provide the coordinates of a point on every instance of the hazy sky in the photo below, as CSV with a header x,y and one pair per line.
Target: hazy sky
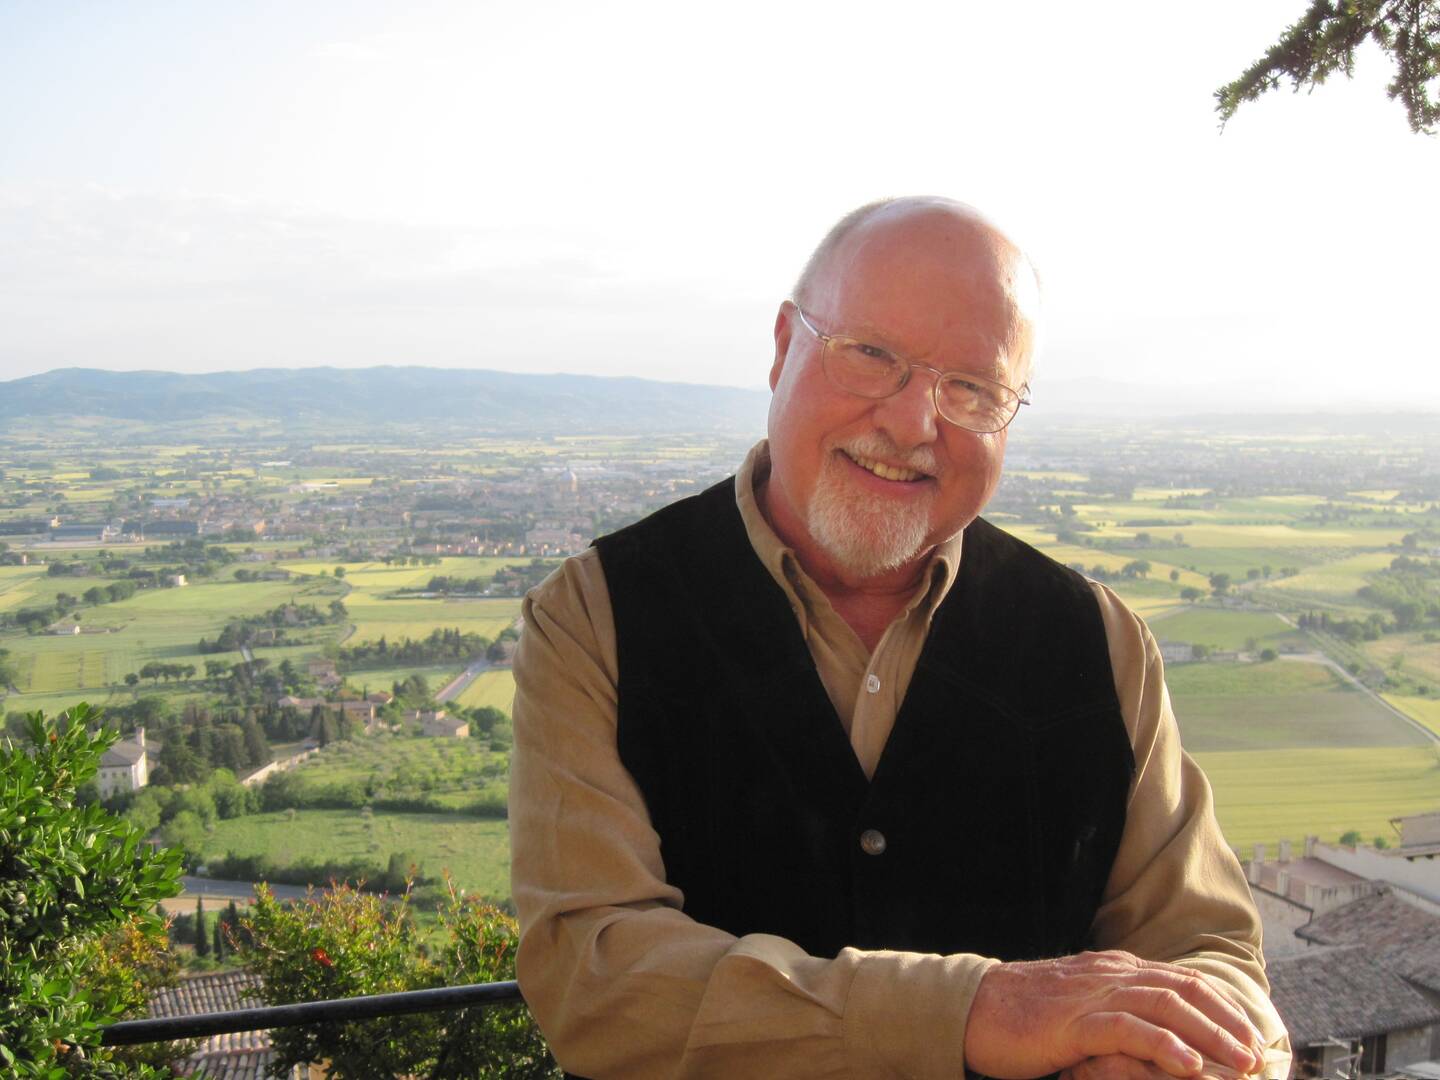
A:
x,y
629,188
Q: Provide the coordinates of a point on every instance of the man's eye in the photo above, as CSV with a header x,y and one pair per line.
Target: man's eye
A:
x,y
970,392
874,352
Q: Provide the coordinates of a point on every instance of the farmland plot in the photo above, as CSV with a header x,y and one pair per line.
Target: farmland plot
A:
x,y
476,851
1287,794
495,688
1279,705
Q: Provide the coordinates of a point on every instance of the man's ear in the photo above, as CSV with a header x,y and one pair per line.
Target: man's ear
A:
x,y
784,328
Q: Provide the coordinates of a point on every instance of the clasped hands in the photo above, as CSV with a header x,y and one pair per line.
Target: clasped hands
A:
x,y
1106,1015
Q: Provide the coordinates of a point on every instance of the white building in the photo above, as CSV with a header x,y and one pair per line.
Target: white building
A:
x,y
125,766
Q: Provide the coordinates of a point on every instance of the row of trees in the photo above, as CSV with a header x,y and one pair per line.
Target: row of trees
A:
x,y
155,671
244,630
213,939
1353,631
441,645
447,585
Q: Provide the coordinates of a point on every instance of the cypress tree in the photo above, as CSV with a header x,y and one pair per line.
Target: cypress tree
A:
x,y
202,934
232,922
219,941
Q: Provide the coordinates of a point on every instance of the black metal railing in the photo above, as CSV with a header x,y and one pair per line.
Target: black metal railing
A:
x,y
264,1018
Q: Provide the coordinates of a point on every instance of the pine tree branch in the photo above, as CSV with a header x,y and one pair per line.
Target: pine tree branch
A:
x,y
1324,41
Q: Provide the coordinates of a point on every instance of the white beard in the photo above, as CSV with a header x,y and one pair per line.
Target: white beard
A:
x,y
862,535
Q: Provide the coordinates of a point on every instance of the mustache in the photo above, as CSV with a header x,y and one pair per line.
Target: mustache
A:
x,y
875,445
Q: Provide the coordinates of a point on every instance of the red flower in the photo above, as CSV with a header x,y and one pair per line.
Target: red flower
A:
x,y
320,956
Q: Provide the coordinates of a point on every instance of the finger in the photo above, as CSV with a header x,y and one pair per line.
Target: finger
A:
x,y
1193,985
1169,1009
1205,996
1202,991
1105,1034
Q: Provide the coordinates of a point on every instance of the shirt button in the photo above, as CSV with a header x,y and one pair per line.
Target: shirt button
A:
x,y
872,683
872,842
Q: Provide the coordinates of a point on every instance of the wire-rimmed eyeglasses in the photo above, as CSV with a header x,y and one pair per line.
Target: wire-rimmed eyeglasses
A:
x,y
972,402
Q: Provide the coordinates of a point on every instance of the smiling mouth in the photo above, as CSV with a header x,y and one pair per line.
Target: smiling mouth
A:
x,y
884,471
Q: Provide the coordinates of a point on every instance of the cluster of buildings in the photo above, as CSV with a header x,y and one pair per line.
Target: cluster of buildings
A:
x,y
541,506
1352,949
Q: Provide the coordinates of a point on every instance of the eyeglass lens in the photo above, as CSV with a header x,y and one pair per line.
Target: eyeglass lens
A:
x,y
966,401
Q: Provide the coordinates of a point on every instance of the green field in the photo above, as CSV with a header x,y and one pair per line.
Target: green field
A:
x,y
1221,629
377,612
16,583
1265,796
1337,580
1409,653
397,619
154,624
496,688
476,851
1283,704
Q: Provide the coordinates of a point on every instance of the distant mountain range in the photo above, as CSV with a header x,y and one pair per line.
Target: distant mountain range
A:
x,y
379,397
416,400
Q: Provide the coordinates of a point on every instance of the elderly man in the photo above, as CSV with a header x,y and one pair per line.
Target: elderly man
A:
x,y
818,774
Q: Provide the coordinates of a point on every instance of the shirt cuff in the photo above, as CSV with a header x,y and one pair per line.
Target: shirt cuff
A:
x,y
905,1014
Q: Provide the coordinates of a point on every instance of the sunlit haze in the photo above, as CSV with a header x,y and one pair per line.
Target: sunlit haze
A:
x,y
629,189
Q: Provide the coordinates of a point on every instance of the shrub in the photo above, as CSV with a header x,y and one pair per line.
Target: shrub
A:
x,y
69,875
490,804
344,943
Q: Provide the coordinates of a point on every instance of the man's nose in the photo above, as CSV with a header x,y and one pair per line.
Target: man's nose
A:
x,y
909,416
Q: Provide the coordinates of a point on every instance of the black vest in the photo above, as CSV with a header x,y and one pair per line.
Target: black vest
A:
x,y
998,801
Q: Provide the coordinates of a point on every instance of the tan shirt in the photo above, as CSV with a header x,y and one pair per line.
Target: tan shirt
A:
x,y
624,984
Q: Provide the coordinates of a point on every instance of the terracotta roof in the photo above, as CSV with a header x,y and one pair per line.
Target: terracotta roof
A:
x,y
236,1065
1375,921
1401,936
1343,993
243,1055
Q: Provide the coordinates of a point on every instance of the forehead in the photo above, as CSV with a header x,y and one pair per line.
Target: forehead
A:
x,y
931,283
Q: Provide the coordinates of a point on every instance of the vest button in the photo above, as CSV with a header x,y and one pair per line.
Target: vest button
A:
x,y
872,842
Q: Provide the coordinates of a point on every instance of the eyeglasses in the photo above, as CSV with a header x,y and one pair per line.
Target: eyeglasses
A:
x,y
969,401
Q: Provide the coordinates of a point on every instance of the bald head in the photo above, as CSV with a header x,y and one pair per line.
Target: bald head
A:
x,y
935,242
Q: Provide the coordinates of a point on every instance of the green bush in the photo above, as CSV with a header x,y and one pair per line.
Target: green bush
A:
x,y
344,943
69,875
